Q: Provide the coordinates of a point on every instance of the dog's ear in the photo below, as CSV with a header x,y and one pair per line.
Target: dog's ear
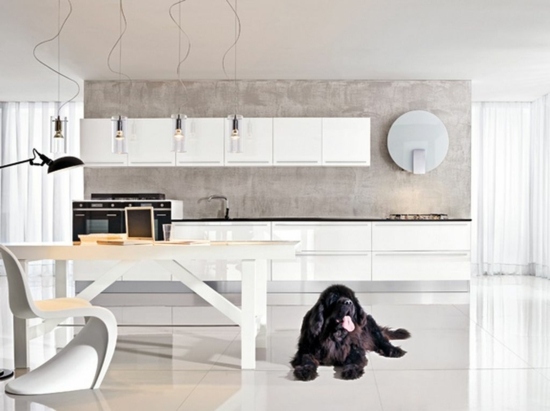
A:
x,y
315,319
360,313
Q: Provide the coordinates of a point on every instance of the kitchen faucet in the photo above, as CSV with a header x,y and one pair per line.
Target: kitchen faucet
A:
x,y
217,197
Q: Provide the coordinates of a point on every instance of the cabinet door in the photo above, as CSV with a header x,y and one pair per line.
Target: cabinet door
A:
x,y
328,251
346,141
336,267
421,236
204,143
256,143
297,141
329,236
150,142
96,144
220,269
421,266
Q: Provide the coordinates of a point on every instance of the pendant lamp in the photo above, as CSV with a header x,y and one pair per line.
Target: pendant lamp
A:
x,y
179,120
119,122
234,120
58,124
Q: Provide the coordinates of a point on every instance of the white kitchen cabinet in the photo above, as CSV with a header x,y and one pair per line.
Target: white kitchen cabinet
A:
x,y
96,144
420,251
421,236
220,231
346,141
420,266
297,141
256,143
204,143
150,142
328,251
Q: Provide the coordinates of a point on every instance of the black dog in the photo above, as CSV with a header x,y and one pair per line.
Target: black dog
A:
x,y
337,331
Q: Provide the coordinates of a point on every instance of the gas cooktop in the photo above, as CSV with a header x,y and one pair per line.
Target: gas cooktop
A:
x,y
419,217
128,196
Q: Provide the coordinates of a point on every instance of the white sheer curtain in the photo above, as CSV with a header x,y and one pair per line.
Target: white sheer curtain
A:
x,y
35,206
510,192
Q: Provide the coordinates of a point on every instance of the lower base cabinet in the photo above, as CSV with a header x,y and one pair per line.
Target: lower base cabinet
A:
x,y
323,268
421,251
420,266
328,251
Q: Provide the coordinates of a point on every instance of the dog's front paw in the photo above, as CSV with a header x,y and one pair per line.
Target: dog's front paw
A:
x,y
352,372
397,352
305,372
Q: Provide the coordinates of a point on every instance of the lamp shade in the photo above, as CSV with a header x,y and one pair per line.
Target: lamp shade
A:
x,y
63,163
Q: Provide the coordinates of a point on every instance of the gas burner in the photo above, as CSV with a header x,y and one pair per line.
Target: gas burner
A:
x,y
419,217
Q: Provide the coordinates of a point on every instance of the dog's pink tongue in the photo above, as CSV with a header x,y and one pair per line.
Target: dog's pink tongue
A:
x,y
348,324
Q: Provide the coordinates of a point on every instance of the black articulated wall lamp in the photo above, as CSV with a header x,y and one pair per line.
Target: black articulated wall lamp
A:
x,y
62,163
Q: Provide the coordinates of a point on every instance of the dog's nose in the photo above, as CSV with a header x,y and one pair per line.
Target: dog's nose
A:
x,y
347,301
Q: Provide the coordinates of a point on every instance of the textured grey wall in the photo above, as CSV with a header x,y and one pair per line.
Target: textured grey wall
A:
x,y
374,191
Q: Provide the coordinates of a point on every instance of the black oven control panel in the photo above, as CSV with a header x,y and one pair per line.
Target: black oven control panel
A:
x,y
120,205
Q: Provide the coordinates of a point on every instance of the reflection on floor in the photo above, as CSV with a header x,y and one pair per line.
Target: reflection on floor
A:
x,y
490,354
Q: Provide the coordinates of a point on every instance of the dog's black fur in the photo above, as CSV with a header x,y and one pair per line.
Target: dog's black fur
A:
x,y
324,341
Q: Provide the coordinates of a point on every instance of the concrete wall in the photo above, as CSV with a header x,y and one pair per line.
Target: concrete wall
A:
x,y
374,191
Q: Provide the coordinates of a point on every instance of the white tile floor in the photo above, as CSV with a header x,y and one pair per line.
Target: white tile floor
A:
x,y
490,354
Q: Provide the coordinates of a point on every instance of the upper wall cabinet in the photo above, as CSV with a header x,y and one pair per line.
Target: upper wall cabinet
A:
x,y
264,142
204,143
256,143
150,142
346,141
297,141
96,144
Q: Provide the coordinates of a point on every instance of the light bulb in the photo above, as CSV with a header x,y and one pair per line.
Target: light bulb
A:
x,y
119,129
178,135
235,134
58,128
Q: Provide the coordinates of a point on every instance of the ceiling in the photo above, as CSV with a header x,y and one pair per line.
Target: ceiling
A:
x,y
503,46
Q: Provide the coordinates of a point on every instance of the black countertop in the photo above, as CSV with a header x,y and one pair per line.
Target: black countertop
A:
x,y
309,219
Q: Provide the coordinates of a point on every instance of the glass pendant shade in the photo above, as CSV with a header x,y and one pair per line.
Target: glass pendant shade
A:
x,y
179,137
59,134
235,130
120,140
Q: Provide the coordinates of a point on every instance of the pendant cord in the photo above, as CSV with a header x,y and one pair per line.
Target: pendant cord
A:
x,y
234,45
58,53
58,71
122,18
180,60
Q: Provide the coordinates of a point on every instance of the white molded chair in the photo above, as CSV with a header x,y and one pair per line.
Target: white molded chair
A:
x,y
83,362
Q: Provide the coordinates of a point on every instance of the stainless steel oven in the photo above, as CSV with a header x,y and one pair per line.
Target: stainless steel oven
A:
x,y
100,215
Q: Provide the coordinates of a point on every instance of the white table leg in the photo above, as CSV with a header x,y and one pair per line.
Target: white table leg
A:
x,y
261,304
261,291
61,281
62,334
248,312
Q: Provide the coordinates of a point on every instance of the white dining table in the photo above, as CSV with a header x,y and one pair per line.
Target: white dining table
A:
x,y
254,255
